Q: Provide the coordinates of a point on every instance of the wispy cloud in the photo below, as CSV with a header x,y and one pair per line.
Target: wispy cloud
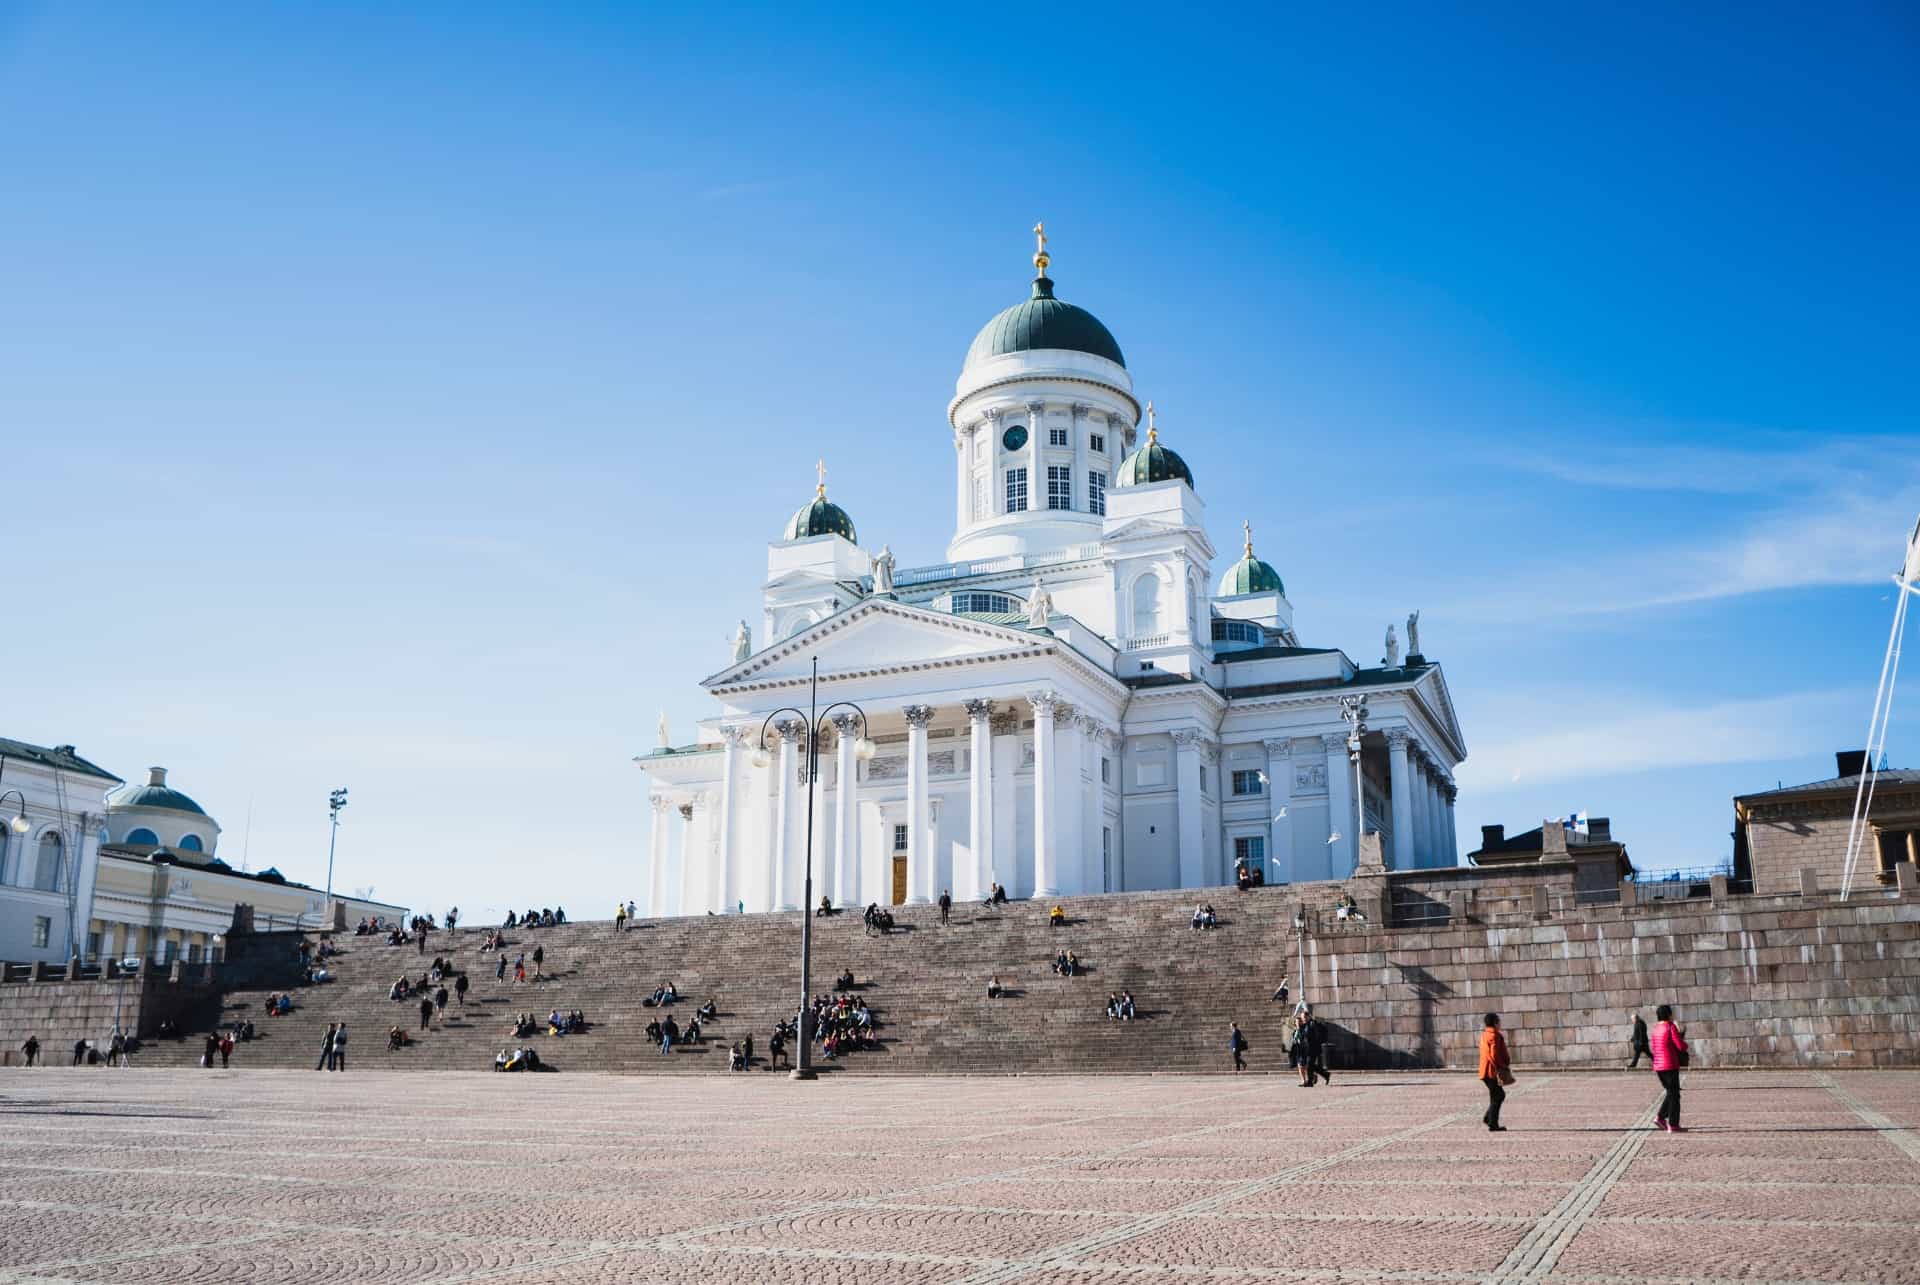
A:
x,y
1644,737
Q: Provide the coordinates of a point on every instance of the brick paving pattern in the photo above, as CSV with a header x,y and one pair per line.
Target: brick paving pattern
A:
x,y
370,1177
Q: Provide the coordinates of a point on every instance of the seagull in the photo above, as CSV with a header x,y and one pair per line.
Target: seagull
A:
x,y
1281,815
1334,837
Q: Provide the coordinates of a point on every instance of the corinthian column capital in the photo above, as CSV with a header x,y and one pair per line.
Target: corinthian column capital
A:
x,y
918,716
978,709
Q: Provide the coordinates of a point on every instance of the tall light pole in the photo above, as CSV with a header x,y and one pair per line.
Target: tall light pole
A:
x,y
335,801
1354,710
816,719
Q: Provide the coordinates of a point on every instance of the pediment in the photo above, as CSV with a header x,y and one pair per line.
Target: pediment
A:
x,y
1141,529
1440,700
880,634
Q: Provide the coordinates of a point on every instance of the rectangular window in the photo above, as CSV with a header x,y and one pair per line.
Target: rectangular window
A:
x,y
899,838
42,930
979,499
1106,859
1246,782
1203,780
1099,444
1016,490
1097,494
1059,487
1106,771
1251,849
1056,437
93,945
193,953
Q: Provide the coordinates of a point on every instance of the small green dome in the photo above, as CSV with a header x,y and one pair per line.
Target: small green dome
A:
x,y
1043,321
156,793
820,516
1152,462
1250,575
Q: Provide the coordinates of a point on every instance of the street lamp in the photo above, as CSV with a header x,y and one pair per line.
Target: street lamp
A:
x,y
1354,710
19,824
335,801
816,719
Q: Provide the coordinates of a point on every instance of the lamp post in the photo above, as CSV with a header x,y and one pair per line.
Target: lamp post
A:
x,y
862,749
1354,710
19,824
335,801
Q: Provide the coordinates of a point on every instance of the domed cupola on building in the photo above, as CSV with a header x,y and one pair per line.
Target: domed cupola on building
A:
x,y
1154,463
1250,574
1042,414
820,516
156,815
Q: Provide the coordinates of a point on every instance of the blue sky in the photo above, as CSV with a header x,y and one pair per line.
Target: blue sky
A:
x,y
403,399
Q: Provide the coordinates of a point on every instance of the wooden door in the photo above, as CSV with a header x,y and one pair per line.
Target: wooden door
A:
x,y
899,880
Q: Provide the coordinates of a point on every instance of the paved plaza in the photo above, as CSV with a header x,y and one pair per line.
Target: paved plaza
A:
x,y
133,1176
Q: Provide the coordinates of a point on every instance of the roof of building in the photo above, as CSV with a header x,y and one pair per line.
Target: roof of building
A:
x,y
1250,575
1275,652
668,751
57,756
1154,463
213,865
152,796
820,516
1042,321
1832,785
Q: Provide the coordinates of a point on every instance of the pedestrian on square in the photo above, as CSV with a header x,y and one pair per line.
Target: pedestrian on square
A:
x,y
226,1048
31,1048
440,1001
1669,1051
1237,1044
1638,1042
339,1048
206,1057
326,1048
1495,1071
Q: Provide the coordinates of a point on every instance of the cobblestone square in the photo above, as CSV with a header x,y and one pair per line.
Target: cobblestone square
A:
x,y
430,1179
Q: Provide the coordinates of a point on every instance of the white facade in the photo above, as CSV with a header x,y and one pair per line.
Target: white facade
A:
x,y
51,807
1063,706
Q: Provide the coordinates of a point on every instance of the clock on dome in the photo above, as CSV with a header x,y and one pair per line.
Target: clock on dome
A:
x,y
1014,438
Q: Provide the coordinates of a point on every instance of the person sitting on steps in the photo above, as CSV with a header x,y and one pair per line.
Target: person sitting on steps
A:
x,y
777,1049
1203,917
844,982
1126,1006
1057,917
996,896
993,987
825,909
708,1011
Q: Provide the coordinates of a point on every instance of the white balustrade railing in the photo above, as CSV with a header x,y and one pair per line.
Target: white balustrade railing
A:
x,y
994,566
1149,642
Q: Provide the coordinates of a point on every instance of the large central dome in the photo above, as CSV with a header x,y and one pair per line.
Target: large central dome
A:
x,y
1044,322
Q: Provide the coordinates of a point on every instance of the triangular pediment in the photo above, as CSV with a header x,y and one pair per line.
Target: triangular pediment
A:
x,y
880,634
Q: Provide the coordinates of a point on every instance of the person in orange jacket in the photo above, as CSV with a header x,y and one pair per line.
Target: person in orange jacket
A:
x,y
1494,1072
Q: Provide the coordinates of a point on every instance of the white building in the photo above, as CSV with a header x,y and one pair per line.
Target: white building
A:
x,y
1067,704
51,805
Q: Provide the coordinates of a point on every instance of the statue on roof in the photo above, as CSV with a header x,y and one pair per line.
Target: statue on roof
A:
x,y
1039,606
742,643
883,570
665,740
1413,634
1393,649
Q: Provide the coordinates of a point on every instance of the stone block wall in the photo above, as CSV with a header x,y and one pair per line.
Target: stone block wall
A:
x,y
1781,846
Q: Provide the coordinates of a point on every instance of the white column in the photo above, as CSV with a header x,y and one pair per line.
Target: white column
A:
x,y
1067,809
1087,734
1421,803
1437,828
846,825
1452,826
729,809
1081,501
779,873
1005,855
1186,753
919,842
657,882
1036,459
979,802
963,467
1400,783
706,814
691,880
1046,878
1342,855
1279,799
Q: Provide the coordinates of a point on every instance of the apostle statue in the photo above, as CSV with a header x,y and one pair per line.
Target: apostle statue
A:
x,y
742,643
1393,649
666,741
883,570
1413,634
1039,606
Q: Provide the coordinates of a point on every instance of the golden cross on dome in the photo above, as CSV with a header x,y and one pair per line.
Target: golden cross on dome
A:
x,y
1247,529
1153,430
820,467
1040,256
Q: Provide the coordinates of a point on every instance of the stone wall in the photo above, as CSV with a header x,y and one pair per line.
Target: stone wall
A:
x,y
1781,846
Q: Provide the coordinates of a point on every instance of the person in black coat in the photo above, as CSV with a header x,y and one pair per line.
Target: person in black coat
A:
x,y
1639,1045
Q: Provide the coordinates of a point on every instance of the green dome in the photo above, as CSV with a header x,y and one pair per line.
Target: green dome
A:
x,y
1152,463
1250,575
820,516
1044,322
153,795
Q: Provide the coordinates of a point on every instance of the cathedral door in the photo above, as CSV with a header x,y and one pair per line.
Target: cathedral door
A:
x,y
899,880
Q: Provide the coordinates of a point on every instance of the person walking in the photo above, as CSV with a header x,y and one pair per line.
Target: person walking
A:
x,y
226,1048
426,1011
31,1048
1669,1051
326,1048
339,1048
1317,1049
460,989
1495,1071
946,906
539,958
520,968
1638,1042
1237,1044
500,969
619,917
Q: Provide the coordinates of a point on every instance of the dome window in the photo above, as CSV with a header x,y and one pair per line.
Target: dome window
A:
x,y
1238,631
143,836
191,843
984,604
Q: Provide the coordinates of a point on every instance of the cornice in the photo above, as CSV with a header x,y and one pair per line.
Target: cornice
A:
x,y
1034,377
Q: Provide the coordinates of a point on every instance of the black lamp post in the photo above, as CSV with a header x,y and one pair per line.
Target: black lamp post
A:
x,y
815,718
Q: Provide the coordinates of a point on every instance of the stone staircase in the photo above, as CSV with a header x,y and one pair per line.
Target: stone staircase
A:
x,y
925,983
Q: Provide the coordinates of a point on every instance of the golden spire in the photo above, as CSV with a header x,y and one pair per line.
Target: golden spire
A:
x,y
1040,256
820,488
1153,430
1247,529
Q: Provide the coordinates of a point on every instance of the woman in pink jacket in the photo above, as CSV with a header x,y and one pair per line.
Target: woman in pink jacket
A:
x,y
1669,1053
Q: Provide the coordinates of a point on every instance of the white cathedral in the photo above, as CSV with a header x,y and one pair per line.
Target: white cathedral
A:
x,y
1061,706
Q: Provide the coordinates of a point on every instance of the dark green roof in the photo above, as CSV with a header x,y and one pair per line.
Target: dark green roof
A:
x,y
59,756
1271,653
820,516
1153,463
1044,322
153,796
1250,575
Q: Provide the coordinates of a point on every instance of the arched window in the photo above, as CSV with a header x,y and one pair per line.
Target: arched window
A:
x,y
143,835
190,843
1146,605
47,876
7,873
